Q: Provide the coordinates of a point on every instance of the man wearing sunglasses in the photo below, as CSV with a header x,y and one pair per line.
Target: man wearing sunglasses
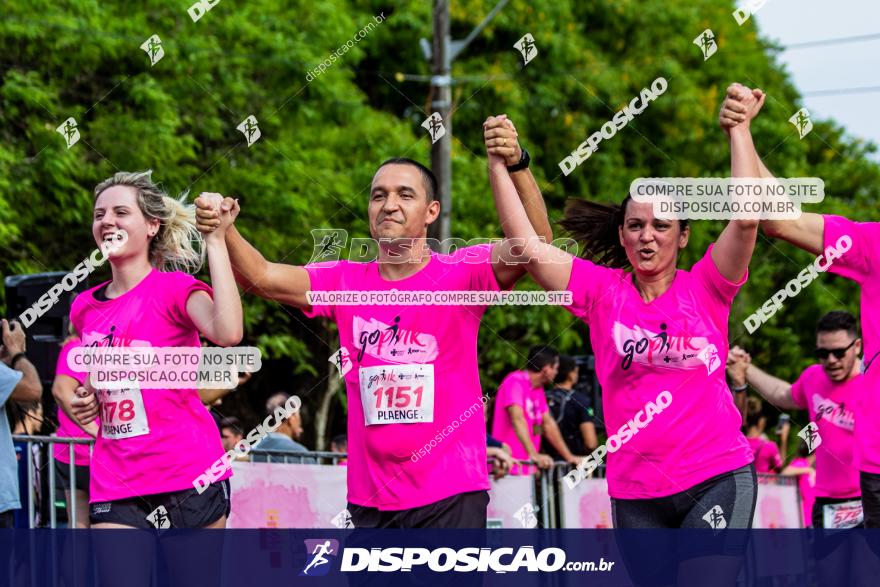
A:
x,y
816,233
829,390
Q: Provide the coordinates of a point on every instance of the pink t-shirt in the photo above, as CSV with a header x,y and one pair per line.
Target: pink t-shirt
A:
x,y
416,433
676,343
862,264
808,493
767,459
67,428
517,390
831,406
182,440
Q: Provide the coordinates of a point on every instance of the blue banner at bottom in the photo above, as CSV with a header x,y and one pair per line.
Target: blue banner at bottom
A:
x,y
600,558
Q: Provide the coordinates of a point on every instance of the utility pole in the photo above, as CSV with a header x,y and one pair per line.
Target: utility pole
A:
x,y
442,52
441,90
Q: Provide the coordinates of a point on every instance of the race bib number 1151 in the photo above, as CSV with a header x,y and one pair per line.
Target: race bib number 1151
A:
x,y
397,394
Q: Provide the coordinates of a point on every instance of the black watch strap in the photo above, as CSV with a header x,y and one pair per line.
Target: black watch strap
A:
x,y
15,359
523,162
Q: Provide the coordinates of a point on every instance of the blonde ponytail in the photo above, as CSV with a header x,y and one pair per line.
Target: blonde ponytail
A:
x,y
178,244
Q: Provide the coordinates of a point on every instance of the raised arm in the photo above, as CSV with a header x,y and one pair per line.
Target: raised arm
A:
x,y
734,248
741,371
551,267
502,140
773,389
283,283
219,319
806,232
28,388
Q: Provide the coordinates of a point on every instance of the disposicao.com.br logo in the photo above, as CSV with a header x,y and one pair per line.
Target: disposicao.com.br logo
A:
x,y
444,559
319,550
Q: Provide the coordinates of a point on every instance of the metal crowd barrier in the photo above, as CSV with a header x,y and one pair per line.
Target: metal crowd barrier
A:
x,y
548,485
49,441
307,457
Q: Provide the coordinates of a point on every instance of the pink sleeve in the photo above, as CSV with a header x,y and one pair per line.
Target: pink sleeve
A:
x,y
512,393
324,277
586,281
798,393
859,261
483,273
706,272
185,286
62,368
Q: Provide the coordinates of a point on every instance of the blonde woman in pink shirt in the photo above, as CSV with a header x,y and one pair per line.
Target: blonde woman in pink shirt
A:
x,y
153,443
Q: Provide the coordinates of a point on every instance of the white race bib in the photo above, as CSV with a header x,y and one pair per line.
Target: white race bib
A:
x,y
122,413
397,394
848,514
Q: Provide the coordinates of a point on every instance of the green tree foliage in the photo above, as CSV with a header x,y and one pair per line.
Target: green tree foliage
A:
x,y
322,140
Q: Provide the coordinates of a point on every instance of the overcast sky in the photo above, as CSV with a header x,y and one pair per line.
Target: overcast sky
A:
x,y
845,65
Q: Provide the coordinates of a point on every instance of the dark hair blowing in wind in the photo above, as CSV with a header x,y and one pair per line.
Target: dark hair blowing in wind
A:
x,y
595,226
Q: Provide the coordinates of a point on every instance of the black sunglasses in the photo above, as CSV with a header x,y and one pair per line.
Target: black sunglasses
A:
x,y
822,354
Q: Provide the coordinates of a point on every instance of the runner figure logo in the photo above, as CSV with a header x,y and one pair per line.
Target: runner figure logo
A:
x,y
250,130
434,125
709,356
526,47
810,435
706,42
328,244
715,518
526,515
153,48
69,131
342,360
159,518
801,121
318,551
342,520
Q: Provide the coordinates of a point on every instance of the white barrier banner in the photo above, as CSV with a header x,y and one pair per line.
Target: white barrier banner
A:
x,y
278,495
587,505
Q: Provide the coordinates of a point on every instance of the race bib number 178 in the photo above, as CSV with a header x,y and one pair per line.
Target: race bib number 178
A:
x,y
397,394
122,413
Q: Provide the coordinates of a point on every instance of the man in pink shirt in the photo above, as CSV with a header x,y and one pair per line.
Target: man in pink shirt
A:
x,y
521,412
829,391
416,437
817,234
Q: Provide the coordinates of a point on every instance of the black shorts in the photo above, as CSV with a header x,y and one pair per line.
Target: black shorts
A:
x,y
62,477
177,509
465,510
825,543
870,483
819,505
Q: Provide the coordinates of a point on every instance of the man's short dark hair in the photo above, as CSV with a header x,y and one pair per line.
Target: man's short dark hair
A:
x,y
340,440
838,320
232,423
567,364
540,356
428,177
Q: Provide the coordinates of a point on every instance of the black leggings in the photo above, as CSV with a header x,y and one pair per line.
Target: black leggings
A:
x,y
725,501
870,483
